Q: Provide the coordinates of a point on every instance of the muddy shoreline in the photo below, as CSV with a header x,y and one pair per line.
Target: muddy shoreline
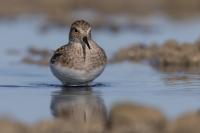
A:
x,y
169,56
123,117
62,13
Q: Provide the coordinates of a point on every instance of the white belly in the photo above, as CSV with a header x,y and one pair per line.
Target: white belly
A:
x,y
69,76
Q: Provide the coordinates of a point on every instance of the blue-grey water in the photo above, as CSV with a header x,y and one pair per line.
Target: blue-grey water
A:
x,y
26,90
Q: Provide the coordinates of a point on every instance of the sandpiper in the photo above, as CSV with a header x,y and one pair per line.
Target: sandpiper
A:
x,y
81,60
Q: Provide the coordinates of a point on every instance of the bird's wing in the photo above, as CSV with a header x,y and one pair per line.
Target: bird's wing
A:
x,y
57,54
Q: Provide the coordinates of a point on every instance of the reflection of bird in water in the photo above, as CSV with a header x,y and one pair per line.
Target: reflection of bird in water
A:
x,y
80,106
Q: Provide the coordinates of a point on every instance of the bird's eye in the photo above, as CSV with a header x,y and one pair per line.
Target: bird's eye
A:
x,y
75,30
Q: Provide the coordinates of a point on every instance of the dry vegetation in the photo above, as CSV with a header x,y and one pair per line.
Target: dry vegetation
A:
x,y
123,118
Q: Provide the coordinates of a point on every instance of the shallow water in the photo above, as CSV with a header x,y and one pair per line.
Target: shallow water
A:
x,y
27,92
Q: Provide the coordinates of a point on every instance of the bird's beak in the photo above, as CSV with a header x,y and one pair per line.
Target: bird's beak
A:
x,y
85,40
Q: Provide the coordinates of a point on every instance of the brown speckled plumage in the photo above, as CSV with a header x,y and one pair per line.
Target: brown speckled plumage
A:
x,y
73,55
81,24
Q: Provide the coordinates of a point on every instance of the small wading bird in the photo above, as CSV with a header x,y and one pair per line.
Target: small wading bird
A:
x,y
81,60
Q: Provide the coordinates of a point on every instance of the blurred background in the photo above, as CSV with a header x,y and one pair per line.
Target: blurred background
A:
x,y
154,59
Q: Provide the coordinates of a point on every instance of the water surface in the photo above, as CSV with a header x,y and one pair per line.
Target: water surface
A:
x,y
27,91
